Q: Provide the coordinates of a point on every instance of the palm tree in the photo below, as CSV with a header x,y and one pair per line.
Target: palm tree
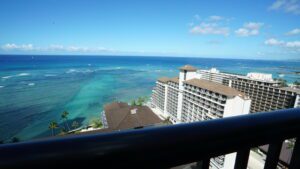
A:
x,y
282,81
140,101
15,140
75,124
62,131
97,123
64,116
133,103
53,125
291,143
167,121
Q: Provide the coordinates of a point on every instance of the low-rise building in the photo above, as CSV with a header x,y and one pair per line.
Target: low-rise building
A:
x,y
120,116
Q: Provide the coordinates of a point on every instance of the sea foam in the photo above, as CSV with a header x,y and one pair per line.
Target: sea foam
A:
x,y
6,77
71,71
49,75
23,74
80,71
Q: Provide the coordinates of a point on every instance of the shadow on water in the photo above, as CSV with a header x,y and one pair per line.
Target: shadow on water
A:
x,y
61,126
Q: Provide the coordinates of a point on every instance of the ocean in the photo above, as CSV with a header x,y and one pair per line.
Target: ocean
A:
x,y
35,90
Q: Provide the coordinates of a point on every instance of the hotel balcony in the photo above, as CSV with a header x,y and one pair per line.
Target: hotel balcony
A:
x,y
164,146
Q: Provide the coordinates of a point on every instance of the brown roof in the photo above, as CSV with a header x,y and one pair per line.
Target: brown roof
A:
x,y
188,68
174,79
119,116
215,87
167,79
164,79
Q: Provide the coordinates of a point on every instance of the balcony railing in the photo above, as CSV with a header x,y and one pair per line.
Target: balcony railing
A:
x,y
163,147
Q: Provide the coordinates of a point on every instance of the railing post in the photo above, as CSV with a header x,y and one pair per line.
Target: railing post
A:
x,y
241,160
205,163
273,155
295,161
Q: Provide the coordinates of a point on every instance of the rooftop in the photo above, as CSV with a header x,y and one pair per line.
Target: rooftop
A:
x,y
167,79
188,68
215,87
163,79
261,77
121,116
174,79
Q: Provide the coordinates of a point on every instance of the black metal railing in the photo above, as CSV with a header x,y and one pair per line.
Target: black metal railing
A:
x,y
163,147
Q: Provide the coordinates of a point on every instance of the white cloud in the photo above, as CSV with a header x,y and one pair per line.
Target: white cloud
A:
x,y
215,18
277,4
274,42
249,29
12,46
211,25
294,44
209,28
294,32
77,49
242,32
253,25
290,45
289,6
57,48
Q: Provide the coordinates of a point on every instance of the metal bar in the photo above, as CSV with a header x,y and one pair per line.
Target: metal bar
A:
x,y
156,147
241,160
273,155
295,161
205,163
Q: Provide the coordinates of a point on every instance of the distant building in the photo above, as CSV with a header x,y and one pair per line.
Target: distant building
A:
x,y
120,116
188,98
266,94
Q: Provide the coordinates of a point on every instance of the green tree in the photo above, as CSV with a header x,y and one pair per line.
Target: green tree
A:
x,y
97,123
297,83
1,141
15,140
75,124
140,101
64,117
63,131
52,126
291,143
282,81
167,121
132,103
146,98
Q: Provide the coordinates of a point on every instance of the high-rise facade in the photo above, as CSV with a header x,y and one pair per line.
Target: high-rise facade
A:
x,y
188,98
198,95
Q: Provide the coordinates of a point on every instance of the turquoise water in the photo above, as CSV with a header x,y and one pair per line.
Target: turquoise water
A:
x,y
34,90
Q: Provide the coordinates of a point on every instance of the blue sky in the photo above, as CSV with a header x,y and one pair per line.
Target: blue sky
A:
x,y
257,29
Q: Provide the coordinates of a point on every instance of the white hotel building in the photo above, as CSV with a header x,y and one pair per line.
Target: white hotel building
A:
x,y
266,94
189,98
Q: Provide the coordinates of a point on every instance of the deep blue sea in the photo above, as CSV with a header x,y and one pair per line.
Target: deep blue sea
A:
x,y
34,90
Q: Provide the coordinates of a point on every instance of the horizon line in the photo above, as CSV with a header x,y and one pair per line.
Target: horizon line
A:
x,y
159,56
